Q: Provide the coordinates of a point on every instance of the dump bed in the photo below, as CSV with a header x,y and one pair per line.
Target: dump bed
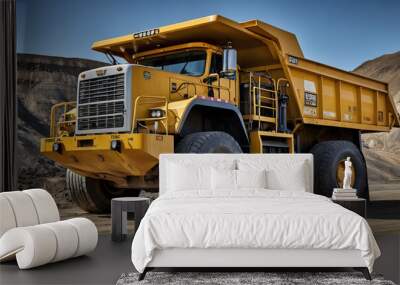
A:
x,y
326,95
333,97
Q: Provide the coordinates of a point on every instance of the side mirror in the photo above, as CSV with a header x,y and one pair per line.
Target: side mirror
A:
x,y
229,63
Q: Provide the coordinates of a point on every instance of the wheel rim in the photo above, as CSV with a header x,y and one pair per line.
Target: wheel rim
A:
x,y
340,174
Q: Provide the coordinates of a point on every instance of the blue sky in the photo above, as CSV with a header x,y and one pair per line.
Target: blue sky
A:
x,y
339,33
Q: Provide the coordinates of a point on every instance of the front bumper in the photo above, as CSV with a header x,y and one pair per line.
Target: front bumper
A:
x,y
92,155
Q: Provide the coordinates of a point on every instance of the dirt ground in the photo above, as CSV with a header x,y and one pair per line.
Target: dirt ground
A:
x,y
383,226
70,210
385,191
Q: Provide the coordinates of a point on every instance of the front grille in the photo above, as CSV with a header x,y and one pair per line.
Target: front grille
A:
x,y
101,104
101,109
106,122
105,88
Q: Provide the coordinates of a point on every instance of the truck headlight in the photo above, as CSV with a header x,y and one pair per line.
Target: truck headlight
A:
x,y
57,147
156,113
116,145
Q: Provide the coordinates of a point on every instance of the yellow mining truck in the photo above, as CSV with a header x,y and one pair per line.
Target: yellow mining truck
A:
x,y
210,85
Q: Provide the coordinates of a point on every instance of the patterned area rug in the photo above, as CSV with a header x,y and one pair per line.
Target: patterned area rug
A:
x,y
242,278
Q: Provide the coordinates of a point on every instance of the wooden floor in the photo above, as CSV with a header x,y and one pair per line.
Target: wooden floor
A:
x,y
111,259
102,266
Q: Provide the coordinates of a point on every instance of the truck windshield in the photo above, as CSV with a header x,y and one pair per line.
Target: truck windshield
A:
x,y
190,63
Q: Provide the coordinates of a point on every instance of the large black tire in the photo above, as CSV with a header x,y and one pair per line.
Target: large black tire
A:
x,y
327,156
89,194
208,142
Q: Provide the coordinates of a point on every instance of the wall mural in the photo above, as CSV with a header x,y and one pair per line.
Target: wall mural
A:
x,y
46,80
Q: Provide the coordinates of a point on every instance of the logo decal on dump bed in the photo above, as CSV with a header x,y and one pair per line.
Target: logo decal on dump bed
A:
x,y
293,59
147,33
146,75
310,99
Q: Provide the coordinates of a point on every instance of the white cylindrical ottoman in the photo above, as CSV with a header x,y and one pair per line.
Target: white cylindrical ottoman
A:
x,y
40,244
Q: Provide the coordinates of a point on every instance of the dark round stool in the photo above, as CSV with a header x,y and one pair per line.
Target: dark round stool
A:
x,y
119,212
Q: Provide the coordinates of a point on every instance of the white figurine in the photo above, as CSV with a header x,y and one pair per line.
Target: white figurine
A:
x,y
347,174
